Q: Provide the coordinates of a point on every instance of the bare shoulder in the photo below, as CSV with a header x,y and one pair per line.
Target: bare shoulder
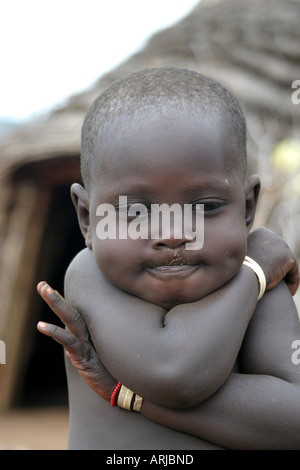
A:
x,y
84,282
280,303
88,290
81,264
267,346
83,272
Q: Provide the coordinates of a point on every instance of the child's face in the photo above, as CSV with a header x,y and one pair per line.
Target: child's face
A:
x,y
186,160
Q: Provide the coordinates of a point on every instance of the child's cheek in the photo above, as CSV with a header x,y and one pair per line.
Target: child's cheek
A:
x,y
117,259
226,242
236,244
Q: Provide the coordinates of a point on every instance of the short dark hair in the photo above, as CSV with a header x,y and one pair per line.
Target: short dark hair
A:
x,y
157,89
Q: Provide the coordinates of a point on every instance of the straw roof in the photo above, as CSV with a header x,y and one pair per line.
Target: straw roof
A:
x,y
252,47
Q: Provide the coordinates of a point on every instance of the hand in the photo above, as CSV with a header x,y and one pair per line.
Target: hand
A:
x,y
275,258
76,342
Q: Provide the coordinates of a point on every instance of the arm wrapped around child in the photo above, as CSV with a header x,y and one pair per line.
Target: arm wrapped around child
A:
x,y
258,403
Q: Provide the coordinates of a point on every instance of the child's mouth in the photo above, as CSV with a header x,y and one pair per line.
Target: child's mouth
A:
x,y
173,271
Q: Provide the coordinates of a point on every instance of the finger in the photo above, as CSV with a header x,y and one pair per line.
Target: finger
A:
x,y
291,275
292,280
64,337
68,315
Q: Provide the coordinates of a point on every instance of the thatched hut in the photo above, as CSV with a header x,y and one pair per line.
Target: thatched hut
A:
x,y
253,48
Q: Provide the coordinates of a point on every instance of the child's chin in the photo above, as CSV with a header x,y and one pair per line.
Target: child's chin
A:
x,y
172,301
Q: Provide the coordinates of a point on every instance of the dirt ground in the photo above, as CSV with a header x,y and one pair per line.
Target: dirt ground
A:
x,y
34,429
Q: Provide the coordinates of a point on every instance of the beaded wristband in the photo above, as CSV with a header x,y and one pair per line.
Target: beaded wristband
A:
x,y
113,398
259,273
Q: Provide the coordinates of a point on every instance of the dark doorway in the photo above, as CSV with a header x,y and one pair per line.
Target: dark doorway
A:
x,y
44,381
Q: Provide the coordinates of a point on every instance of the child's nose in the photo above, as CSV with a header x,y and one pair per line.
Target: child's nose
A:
x,y
169,236
172,243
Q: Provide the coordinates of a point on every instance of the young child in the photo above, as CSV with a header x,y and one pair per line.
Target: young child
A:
x,y
210,367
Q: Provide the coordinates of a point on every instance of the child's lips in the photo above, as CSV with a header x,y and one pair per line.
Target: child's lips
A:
x,y
182,270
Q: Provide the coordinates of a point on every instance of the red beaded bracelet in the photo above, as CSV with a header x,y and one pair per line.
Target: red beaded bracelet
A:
x,y
113,398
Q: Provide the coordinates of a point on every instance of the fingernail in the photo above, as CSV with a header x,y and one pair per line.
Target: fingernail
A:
x,y
42,324
48,289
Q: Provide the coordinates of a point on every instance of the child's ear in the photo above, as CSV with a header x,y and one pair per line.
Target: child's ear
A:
x,y
81,202
252,189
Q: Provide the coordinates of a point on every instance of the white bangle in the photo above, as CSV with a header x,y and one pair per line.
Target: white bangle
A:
x,y
259,273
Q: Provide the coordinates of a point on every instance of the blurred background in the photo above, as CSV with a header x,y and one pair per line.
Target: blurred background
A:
x,y
55,59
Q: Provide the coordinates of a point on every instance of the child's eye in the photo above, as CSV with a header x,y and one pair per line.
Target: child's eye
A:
x,y
206,207
134,210
138,210
211,206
